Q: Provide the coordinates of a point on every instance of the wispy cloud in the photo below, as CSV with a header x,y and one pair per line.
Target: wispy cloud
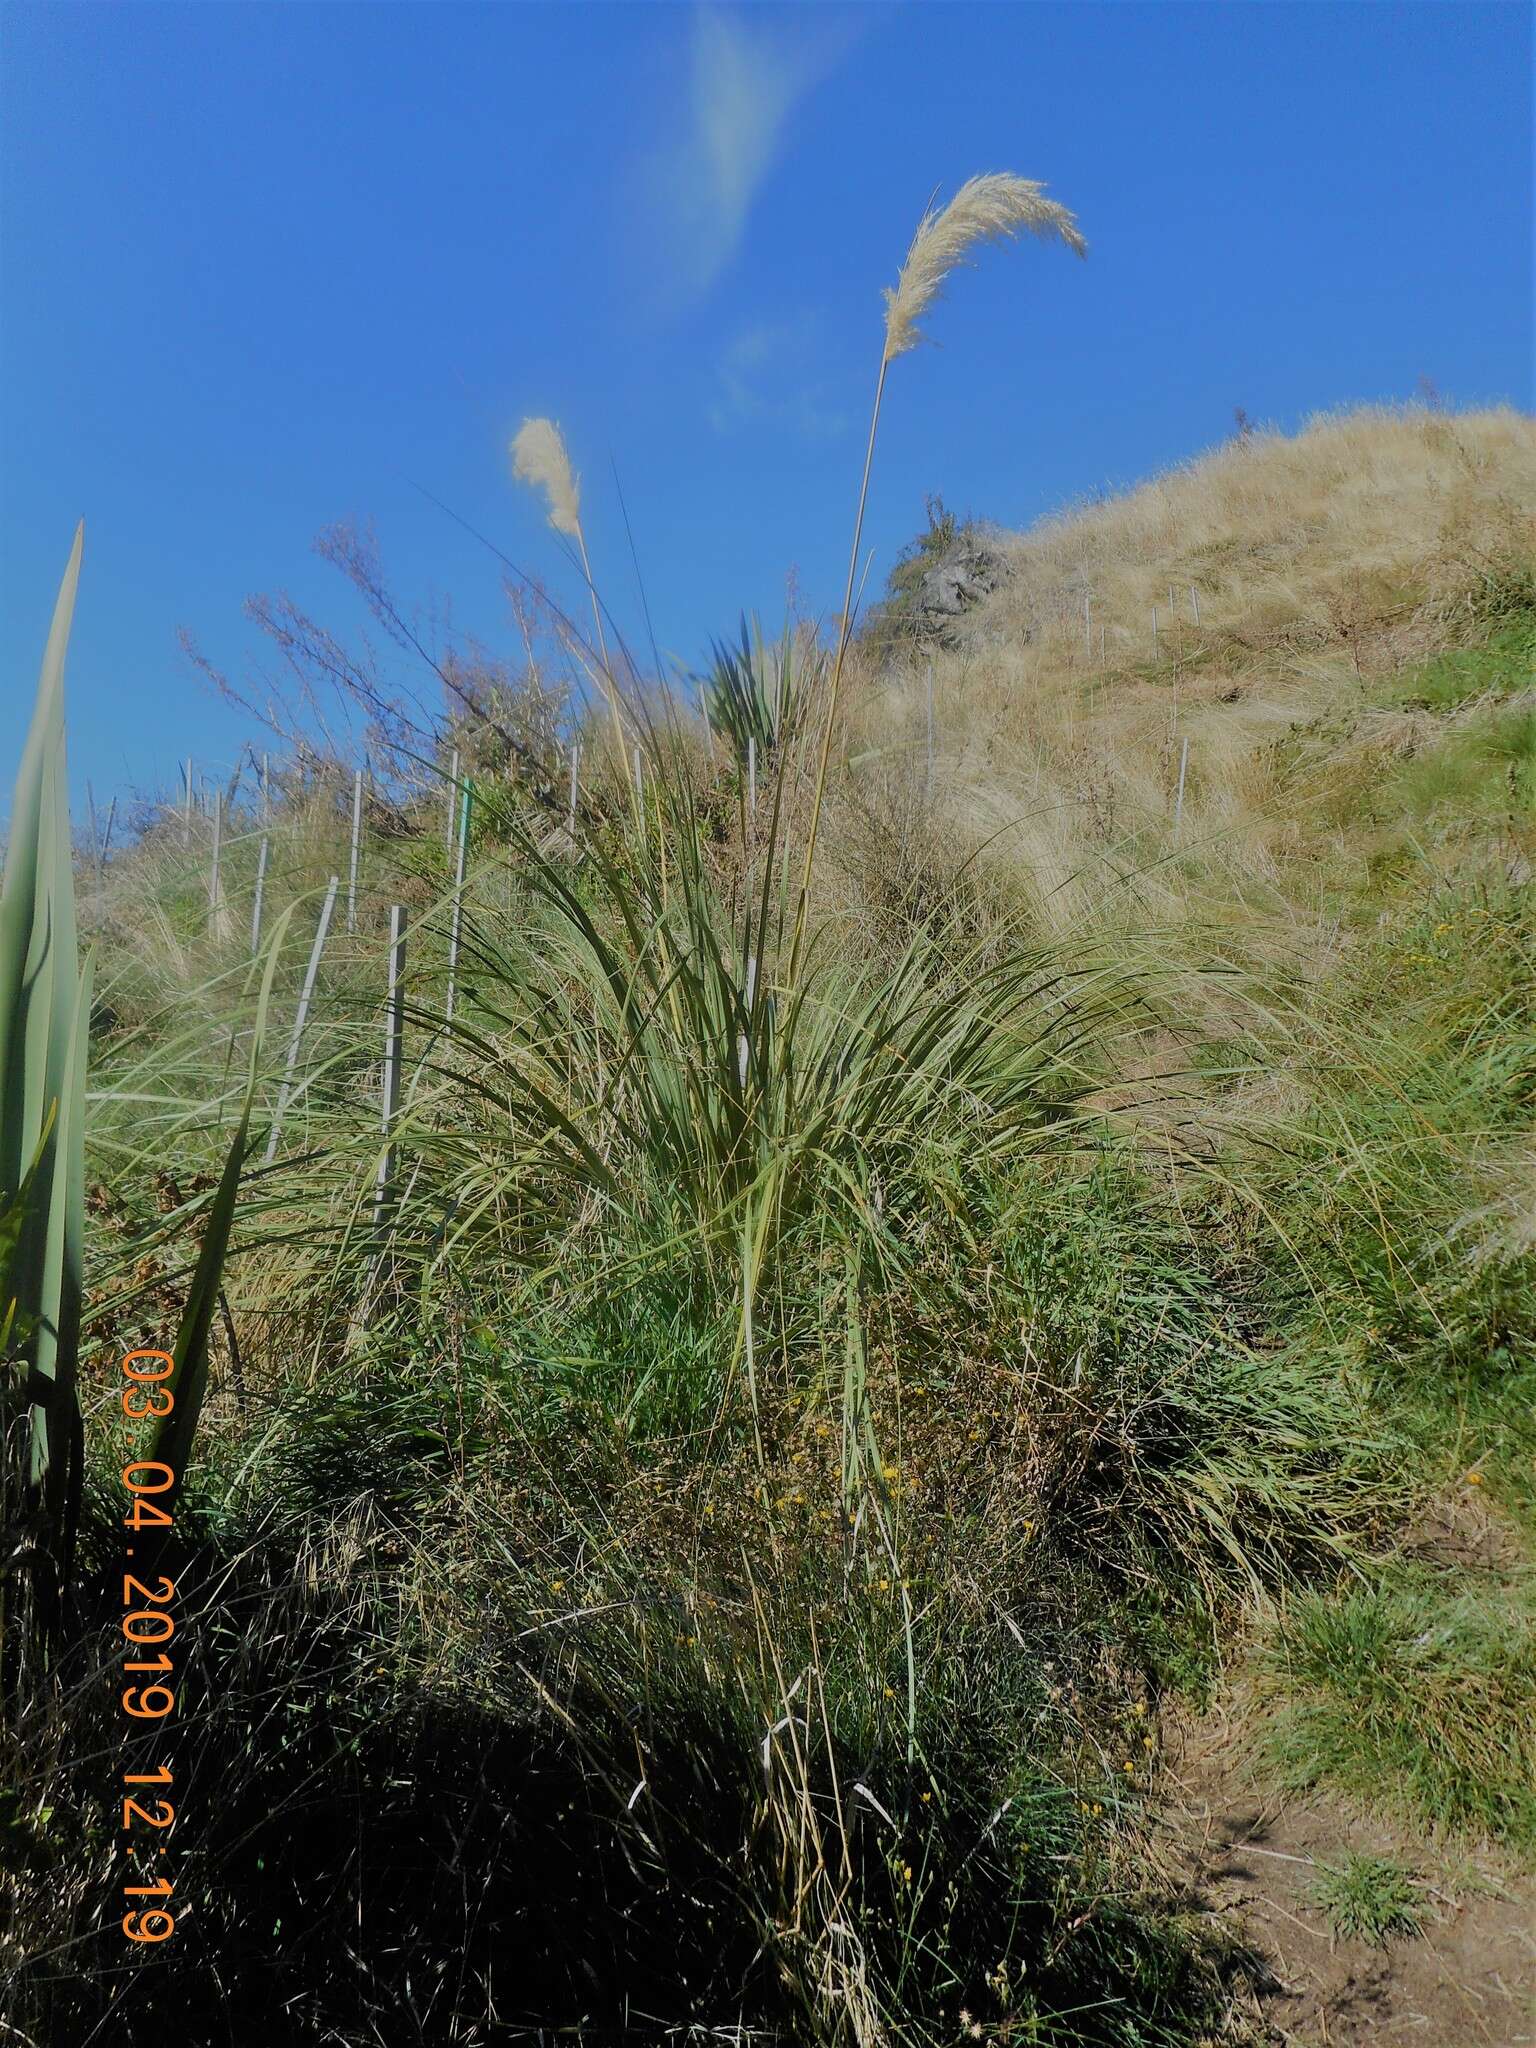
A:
x,y
764,379
747,75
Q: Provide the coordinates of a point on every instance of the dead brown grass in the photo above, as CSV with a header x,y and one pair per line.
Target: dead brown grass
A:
x,y
1302,570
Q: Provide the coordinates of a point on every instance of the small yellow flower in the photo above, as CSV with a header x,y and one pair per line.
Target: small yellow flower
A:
x,y
925,1797
906,1873
557,1585
1146,1742
1474,1479
1129,1768
890,1692
1139,1709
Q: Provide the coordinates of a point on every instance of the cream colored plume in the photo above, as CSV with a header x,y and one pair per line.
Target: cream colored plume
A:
x,y
991,208
539,458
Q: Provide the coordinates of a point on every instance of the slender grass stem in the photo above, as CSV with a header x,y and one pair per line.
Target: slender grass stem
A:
x,y
844,633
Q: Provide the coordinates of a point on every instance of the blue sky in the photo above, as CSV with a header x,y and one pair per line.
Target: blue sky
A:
x,y
270,266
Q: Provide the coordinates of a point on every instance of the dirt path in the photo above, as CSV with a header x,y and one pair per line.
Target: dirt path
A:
x,y
1249,1856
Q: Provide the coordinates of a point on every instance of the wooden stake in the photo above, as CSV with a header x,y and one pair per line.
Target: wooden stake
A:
x,y
394,1038
453,802
743,1042
1194,598
266,793
261,884
458,900
1178,802
575,759
106,837
357,833
215,900
930,730
286,1091
90,798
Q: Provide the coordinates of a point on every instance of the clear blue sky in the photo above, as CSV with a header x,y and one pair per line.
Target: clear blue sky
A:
x,y
265,266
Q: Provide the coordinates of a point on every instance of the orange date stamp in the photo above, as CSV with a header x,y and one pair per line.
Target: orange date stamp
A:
x,y
149,1629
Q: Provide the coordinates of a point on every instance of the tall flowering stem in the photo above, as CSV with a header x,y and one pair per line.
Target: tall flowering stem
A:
x,y
992,208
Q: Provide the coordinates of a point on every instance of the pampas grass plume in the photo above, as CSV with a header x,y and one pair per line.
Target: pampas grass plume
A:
x,y
991,208
539,458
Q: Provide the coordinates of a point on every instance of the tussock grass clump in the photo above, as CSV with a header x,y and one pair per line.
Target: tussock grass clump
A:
x,y
831,1717
1368,1898
1420,1695
1396,1178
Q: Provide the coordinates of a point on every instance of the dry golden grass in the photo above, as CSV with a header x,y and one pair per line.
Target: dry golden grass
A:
x,y
1319,563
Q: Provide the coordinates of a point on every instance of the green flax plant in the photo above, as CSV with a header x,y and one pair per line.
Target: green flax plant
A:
x,y
754,689
45,1024
45,1007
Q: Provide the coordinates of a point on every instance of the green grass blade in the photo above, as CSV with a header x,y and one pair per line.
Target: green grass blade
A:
x,y
44,1025
188,1382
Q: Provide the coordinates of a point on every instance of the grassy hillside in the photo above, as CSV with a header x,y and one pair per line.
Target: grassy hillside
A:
x,y
724,1548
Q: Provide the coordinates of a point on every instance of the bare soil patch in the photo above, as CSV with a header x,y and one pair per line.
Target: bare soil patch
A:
x,y
1249,1854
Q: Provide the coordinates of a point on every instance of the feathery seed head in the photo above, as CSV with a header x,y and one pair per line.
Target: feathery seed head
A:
x,y
539,458
991,208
